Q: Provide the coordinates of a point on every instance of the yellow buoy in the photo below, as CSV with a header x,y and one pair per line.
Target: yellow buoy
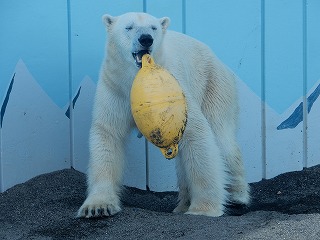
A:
x,y
158,106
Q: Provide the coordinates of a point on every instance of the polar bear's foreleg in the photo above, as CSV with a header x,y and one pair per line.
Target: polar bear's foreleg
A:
x,y
204,168
104,174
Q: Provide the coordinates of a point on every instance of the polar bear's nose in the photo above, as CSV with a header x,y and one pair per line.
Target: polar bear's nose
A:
x,y
146,40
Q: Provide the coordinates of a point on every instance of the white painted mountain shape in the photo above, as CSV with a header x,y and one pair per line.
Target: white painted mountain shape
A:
x,y
35,131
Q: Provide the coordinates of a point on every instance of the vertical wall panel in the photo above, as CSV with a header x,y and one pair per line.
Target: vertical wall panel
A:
x,y
162,176
87,51
232,30
119,7
35,31
283,86
313,81
35,130
167,8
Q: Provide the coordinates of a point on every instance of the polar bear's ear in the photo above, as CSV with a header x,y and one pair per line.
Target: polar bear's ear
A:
x,y
108,21
165,21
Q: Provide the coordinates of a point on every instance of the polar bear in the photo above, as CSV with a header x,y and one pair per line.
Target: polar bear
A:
x,y
209,165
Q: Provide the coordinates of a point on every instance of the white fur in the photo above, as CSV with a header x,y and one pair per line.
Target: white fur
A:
x,y
209,165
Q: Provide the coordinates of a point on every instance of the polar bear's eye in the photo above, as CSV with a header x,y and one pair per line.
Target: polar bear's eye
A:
x,y
128,28
154,28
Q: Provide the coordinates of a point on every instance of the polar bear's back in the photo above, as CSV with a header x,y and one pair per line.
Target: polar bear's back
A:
x,y
201,73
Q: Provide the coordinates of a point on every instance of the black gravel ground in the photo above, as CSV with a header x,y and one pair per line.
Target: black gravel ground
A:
x,y
285,207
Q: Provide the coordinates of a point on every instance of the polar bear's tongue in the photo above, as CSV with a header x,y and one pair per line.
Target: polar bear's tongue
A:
x,y
138,57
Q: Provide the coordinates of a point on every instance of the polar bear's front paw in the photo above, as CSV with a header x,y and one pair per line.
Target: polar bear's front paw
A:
x,y
206,209
210,213
95,206
93,211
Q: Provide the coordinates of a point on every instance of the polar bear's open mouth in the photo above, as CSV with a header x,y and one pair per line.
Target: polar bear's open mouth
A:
x,y
138,57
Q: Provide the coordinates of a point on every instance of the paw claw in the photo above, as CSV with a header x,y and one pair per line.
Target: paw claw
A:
x,y
86,212
95,207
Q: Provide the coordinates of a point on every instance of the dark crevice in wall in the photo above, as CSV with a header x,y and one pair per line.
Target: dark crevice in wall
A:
x,y
73,103
6,100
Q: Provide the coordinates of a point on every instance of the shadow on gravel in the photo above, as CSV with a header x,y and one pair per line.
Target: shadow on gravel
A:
x,y
291,193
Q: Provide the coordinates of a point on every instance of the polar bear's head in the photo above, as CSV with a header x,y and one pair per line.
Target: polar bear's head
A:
x,y
134,34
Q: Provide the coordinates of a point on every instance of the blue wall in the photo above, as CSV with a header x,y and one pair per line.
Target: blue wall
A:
x,y
37,32
273,45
